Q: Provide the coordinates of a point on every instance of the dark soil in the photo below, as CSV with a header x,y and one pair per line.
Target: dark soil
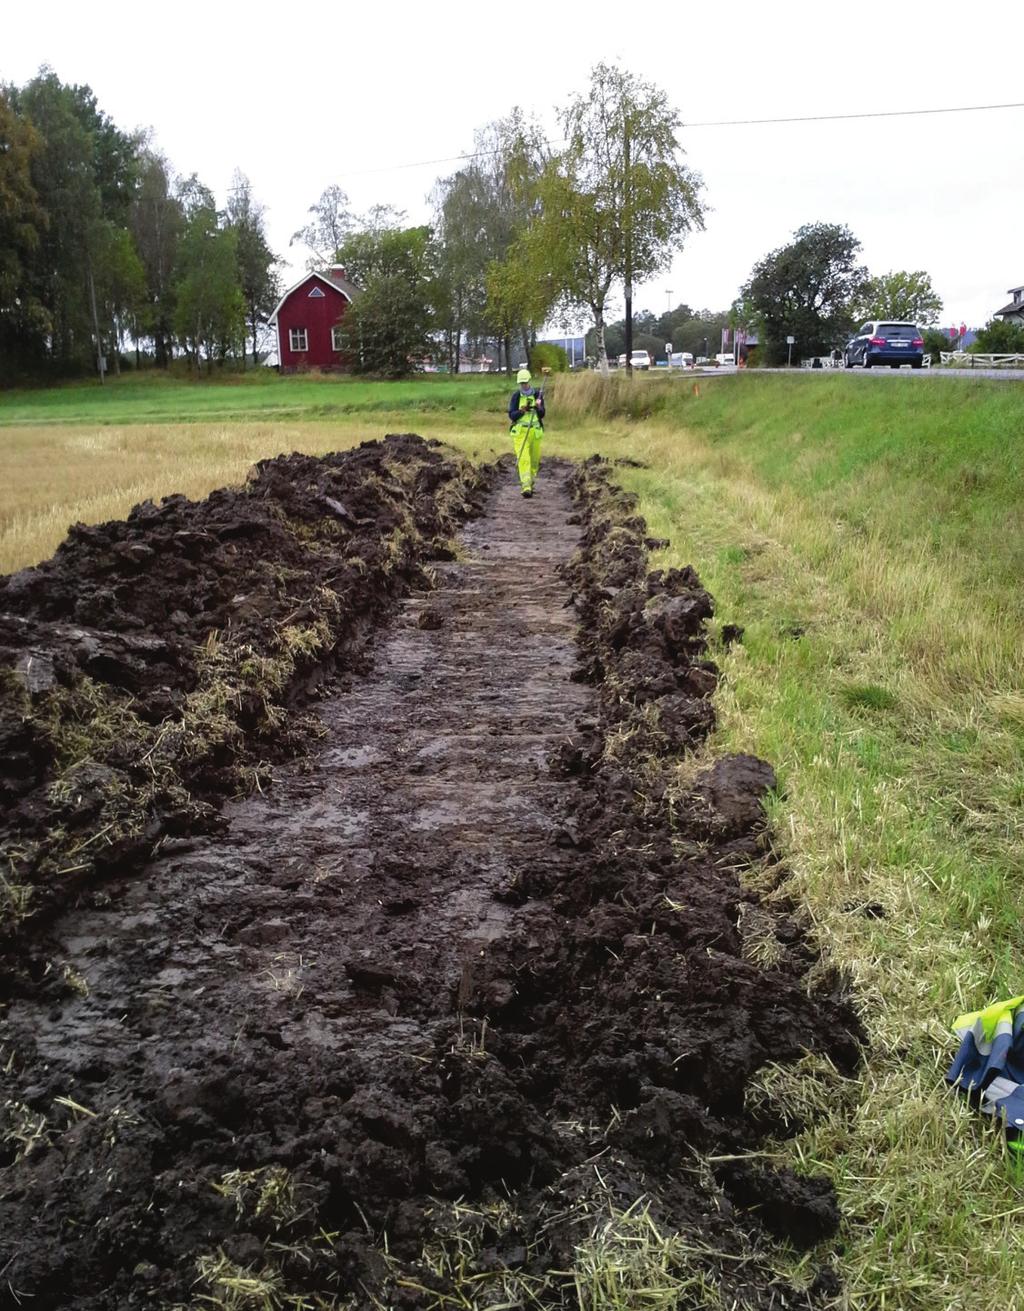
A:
x,y
145,667
476,972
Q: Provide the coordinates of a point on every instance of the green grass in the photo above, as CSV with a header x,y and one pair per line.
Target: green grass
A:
x,y
867,536
156,398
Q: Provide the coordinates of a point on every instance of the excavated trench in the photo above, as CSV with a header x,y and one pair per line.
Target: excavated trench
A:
x,y
462,982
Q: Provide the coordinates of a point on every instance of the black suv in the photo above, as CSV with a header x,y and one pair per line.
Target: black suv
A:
x,y
885,343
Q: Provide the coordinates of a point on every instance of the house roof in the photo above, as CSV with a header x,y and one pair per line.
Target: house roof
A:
x,y
333,279
1014,307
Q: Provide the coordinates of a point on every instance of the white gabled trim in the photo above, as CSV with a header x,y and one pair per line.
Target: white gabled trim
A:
x,y
302,281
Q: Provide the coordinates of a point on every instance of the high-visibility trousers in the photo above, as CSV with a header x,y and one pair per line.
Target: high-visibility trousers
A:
x,y
526,435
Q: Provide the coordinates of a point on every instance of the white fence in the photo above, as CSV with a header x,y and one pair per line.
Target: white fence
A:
x,y
973,360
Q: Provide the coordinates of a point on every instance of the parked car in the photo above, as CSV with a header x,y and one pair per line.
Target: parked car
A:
x,y
878,342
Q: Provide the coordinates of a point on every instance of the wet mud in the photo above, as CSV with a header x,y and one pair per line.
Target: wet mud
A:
x,y
155,665
473,974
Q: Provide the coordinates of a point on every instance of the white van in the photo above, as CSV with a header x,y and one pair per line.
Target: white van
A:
x,y
680,360
725,361
639,360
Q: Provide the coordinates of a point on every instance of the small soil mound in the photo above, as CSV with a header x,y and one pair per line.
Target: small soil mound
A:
x,y
146,668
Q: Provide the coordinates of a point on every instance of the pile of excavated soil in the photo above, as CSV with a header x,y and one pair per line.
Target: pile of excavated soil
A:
x,y
478,976
146,669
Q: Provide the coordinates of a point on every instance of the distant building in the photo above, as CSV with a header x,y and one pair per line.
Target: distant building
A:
x,y
1014,312
307,321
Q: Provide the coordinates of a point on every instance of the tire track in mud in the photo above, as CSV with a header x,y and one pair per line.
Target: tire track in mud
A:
x,y
467,977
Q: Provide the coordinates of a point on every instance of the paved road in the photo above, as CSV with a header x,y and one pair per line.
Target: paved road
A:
x,y
1003,375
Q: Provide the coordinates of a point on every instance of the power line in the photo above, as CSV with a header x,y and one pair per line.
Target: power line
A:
x,y
835,118
724,122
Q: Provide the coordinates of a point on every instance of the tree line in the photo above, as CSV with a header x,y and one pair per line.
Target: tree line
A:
x,y
102,246
815,289
106,252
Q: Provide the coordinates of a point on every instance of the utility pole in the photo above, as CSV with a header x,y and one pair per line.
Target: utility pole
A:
x,y
628,245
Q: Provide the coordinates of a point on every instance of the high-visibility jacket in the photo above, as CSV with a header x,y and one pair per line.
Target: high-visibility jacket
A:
x,y
519,404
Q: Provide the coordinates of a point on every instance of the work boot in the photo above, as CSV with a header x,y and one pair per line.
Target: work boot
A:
x,y
527,492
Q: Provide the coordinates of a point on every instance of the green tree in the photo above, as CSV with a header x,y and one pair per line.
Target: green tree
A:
x,y
330,223
64,180
257,264
209,316
386,330
156,221
807,289
999,337
480,211
518,300
616,203
905,297
936,340
84,174
120,284
24,321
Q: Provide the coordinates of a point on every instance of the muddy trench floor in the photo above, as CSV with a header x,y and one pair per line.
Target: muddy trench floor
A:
x,y
305,996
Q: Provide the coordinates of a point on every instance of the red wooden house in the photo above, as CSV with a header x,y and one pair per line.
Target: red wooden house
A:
x,y
307,319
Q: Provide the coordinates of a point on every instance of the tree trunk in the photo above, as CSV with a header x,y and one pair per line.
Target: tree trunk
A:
x,y
627,237
96,327
602,353
507,343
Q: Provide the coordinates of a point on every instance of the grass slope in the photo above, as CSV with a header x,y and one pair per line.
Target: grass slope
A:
x,y
868,537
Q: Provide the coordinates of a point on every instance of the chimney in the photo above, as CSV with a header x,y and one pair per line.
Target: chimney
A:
x,y
338,271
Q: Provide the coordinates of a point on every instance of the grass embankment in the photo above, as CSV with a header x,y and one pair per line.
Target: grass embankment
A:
x,y
869,538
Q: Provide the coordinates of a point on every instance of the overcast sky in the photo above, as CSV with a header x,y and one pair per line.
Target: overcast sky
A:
x,y
303,95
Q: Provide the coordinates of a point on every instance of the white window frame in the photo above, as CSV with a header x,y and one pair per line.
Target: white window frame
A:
x,y
336,345
294,335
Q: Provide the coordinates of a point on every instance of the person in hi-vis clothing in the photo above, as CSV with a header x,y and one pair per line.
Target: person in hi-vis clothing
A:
x,y
526,412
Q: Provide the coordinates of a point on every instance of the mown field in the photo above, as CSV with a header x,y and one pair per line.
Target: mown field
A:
x,y
869,540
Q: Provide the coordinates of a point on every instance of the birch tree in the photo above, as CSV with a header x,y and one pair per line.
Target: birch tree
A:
x,y
617,202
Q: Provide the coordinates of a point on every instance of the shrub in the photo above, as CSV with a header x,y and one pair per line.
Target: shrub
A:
x,y
546,355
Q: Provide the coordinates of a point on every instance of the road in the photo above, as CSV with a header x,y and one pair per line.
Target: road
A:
x,y
1002,375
